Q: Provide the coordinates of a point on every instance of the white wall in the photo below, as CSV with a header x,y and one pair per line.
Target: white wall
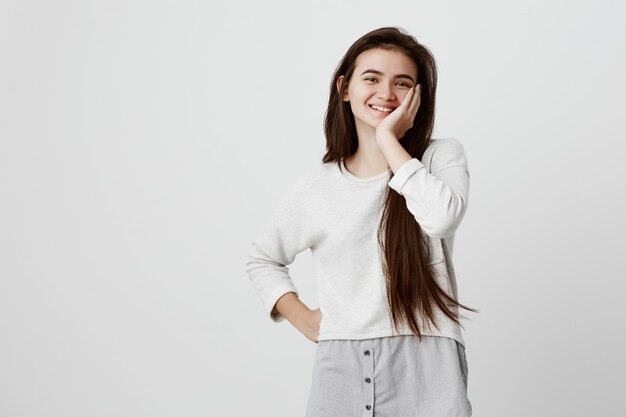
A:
x,y
144,144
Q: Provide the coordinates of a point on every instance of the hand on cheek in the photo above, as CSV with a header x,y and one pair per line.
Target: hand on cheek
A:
x,y
401,119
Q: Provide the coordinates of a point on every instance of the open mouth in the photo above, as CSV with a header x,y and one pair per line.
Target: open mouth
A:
x,y
382,109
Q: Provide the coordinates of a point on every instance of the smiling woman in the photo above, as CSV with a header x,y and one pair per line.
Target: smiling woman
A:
x,y
383,84
379,215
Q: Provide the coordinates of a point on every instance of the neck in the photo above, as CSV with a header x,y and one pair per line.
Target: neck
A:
x,y
368,160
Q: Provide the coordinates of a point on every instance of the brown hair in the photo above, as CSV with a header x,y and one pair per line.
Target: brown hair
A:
x,y
411,284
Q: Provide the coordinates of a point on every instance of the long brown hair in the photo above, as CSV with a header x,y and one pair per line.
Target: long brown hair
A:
x,y
410,279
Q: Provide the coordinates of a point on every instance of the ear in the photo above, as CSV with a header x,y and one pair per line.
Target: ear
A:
x,y
345,94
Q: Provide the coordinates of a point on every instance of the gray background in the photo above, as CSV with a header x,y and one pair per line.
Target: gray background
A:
x,y
144,144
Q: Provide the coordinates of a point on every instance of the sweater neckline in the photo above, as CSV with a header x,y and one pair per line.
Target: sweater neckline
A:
x,y
379,177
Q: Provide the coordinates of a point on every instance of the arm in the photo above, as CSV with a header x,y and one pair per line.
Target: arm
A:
x,y
304,319
277,247
438,200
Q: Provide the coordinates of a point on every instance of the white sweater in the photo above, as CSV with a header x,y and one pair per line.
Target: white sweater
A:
x,y
336,215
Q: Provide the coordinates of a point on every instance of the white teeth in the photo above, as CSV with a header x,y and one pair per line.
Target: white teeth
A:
x,y
385,109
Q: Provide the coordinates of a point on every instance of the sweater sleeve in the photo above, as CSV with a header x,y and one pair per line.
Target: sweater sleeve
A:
x,y
277,247
438,200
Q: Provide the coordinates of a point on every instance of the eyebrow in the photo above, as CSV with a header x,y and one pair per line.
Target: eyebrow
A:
x,y
380,73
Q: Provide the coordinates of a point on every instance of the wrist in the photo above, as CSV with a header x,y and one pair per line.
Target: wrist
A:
x,y
294,310
385,136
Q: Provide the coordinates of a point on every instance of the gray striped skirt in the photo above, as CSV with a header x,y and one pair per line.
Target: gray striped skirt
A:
x,y
396,376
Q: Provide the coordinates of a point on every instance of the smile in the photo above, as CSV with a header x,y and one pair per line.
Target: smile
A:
x,y
382,109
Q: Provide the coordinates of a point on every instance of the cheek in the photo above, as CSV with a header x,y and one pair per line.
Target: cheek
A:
x,y
364,91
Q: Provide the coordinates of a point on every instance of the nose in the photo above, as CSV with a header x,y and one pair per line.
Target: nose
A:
x,y
385,92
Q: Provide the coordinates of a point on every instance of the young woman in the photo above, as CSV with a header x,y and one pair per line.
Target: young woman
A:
x,y
379,214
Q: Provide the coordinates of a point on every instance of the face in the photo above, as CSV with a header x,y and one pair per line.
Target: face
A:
x,y
380,81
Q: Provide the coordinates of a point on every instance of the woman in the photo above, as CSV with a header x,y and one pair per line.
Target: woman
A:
x,y
379,215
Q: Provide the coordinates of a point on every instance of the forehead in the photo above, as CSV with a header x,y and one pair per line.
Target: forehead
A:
x,y
388,61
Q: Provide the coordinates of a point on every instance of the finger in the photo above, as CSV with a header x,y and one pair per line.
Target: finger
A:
x,y
416,96
406,102
415,100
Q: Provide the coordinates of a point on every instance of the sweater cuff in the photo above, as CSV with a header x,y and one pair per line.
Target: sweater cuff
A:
x,y
403,173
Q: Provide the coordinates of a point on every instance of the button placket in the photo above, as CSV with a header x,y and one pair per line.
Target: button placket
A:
x,y
367,358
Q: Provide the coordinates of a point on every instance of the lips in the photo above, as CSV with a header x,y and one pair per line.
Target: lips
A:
x,y
380,107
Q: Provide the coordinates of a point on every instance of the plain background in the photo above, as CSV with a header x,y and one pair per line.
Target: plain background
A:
x,y
144,144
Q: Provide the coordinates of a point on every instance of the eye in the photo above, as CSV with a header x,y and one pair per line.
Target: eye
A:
x,y
370,78
405,84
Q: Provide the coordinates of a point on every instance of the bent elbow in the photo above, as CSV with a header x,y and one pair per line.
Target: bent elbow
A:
x,y
447,220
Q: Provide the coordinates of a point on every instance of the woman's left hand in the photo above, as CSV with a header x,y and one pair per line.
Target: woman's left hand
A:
x,y
401,119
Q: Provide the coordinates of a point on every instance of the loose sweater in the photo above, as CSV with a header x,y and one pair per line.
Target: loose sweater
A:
x,y
336,215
